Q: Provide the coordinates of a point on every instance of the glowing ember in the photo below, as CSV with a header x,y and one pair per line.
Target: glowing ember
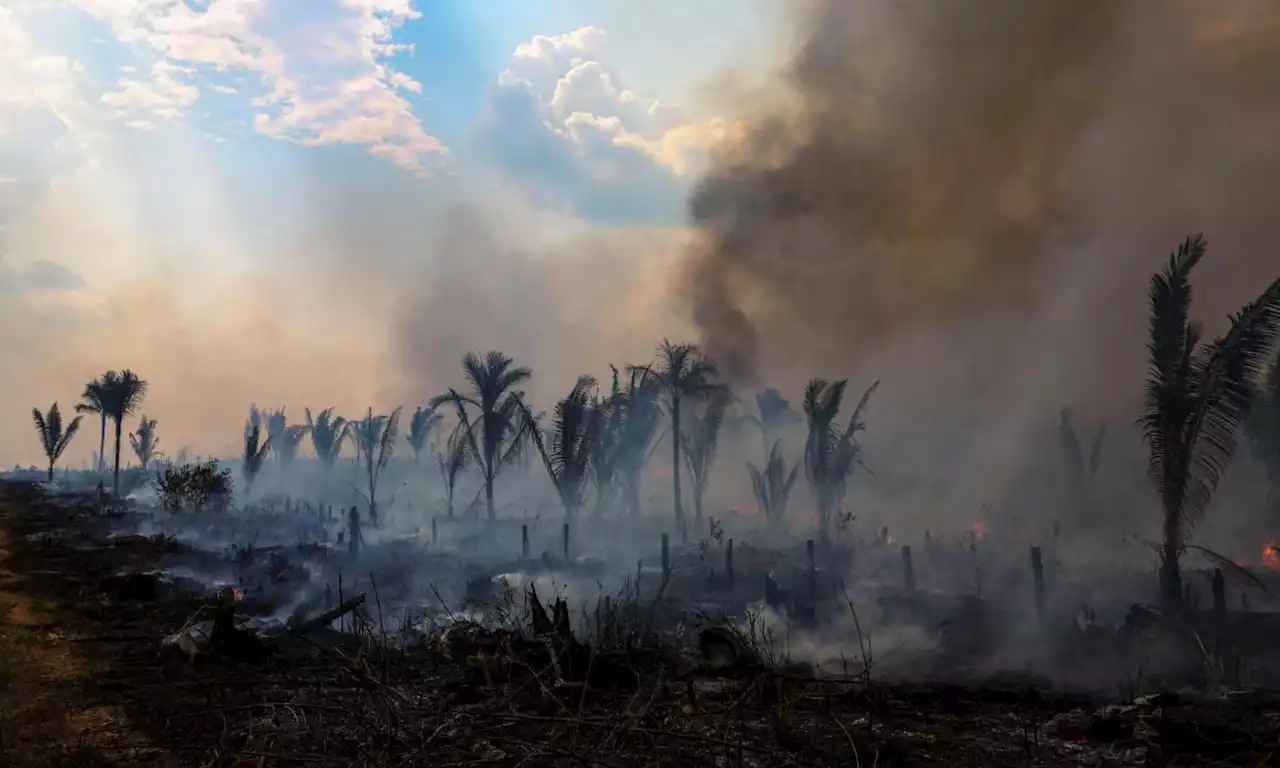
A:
x,y
1271,555
237,593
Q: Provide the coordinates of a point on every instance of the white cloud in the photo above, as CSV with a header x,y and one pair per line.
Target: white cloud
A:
x,y
323,65
559,112
224,89
5,179
141,125
164,95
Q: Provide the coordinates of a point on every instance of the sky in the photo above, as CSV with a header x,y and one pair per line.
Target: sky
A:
x,y
283,201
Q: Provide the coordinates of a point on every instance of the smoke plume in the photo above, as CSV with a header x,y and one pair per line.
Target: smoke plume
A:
x,y
927,163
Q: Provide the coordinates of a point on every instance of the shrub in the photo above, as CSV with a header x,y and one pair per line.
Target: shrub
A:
x,y
194,487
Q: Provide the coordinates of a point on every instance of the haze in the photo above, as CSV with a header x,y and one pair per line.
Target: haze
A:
x,y
964,204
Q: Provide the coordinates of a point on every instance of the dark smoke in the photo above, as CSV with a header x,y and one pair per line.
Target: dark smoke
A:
x,y
931,164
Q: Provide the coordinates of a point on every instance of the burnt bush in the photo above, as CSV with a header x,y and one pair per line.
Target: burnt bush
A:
x,y
194,487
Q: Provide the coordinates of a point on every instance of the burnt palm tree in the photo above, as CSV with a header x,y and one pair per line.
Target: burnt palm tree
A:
x,y
121,394
144,442
772,486
684,374
635,422
491,416
566,448
1081,471
54,437
375,439
91,403
1197,398
421,425
327,433
831,452
700,442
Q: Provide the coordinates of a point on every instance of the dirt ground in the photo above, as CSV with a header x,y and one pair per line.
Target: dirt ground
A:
x,y
83,682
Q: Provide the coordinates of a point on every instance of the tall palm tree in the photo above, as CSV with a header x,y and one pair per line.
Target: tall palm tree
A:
x,y
772,487
683,373
1197,398
491,417
91,403
145,441
327,434
121,394
636,420
831,451
53,437
375,439
567,447
700,442
421,425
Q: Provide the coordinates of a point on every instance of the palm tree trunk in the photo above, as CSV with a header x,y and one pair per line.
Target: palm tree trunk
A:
x,y
488,497
115,483
697,506
1170,570
50,471
102,446
675,467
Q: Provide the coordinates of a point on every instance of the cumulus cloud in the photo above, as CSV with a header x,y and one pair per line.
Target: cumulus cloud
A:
x,y
323,66
566,125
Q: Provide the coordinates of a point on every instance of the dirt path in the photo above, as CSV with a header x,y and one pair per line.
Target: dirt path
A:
x,y
48,716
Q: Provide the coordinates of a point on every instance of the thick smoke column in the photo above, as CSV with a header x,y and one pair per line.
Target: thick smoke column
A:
x,y
929,159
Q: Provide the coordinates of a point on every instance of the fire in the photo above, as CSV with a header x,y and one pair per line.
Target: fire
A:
x,y
1271,555
979,530
237,593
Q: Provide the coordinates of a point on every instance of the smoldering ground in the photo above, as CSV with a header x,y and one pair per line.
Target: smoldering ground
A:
x,y
965,201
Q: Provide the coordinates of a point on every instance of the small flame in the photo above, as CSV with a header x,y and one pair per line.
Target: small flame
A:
x,y
1271,555
979,530
888,540
237,593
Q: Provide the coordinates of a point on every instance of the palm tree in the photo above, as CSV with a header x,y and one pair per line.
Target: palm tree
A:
x,y
700,442
421,425
255,449
91,402
772,487
1264,430
121,394
327,434
451,463
53,437
683,373
375,438
495,432
1080,472
288,442
773,413
831,452
636,417
567,447
1197,398
276,424
145,441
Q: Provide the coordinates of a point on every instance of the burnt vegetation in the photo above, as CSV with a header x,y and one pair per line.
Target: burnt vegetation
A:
x,y
304,610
